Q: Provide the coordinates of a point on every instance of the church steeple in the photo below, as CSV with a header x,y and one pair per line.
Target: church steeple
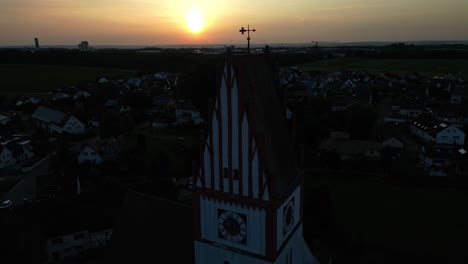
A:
x,y
248,192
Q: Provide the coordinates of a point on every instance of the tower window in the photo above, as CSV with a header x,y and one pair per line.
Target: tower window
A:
x,y
226,173
235,174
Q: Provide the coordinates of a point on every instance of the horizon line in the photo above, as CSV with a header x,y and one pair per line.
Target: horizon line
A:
x,y
328,42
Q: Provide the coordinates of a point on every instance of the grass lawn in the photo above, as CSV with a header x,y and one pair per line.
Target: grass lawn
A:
x,y
40,79
385,223
425,67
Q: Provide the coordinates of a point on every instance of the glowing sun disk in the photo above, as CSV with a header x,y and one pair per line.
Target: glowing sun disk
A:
x,y
194,21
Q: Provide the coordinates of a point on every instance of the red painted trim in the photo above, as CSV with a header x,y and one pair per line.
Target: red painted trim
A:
x,y
196,215
260,177
241,175
212,176
202,165
271,233
301,217
233,199
220,137
250,163
229,101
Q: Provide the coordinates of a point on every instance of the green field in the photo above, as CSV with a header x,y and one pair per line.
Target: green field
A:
x,y
30,79
388,223
425,67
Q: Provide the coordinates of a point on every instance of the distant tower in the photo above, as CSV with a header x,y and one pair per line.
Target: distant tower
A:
x,y
36,40
84,45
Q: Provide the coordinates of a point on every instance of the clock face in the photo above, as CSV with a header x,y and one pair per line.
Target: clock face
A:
x,y
288,216
232,226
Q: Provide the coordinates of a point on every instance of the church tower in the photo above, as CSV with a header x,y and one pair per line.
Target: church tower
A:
x,y
248,192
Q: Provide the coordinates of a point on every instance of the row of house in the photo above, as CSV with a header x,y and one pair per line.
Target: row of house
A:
x,y
54,121
14,151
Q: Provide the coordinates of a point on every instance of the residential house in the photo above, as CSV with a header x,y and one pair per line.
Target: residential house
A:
x,y
98,151
391,138
460,162
186,113
436,159
53,121
4,118
111,103
6,157
81,94
89,154
342,103
66,246
56,232
21,149
352,149
59,96
27,100
102,80
161,104
432,130
136,82
454,114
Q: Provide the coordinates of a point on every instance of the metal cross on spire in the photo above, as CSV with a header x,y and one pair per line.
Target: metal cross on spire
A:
x,y
248,30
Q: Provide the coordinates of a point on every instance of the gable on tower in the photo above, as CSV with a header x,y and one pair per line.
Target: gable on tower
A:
x,y
247,151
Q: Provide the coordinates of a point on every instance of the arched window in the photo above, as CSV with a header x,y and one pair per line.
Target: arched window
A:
x,y
235,174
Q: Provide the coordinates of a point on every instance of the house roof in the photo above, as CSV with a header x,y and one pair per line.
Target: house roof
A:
x,y
161,101
429,124
4,117
49,115
259,94
390,131
351,147
97,143
149,229
185,106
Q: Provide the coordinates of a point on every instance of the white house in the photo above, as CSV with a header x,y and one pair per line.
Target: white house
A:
x,y
100,238
68,245
6,157
74,126
393,142
391,138
89,154
186,113
73,244
135,82
21,149
98,151
436,159
4,119
54,121
27,99
80,93
432,130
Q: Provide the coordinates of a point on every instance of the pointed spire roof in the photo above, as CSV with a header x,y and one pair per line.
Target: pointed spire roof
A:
x,y
260,96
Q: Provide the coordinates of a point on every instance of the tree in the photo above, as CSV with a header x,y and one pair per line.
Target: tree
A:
x,y
360,120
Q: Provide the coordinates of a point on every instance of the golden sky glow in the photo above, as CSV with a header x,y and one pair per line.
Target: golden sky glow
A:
x,y
152,22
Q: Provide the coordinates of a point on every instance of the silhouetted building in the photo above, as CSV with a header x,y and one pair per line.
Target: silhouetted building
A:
x,y
84,45
36,41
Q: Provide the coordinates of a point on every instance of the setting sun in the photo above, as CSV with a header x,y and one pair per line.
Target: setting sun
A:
x,y
194,21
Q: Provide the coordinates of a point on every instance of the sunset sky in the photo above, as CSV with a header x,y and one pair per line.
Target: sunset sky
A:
x,y
153,22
